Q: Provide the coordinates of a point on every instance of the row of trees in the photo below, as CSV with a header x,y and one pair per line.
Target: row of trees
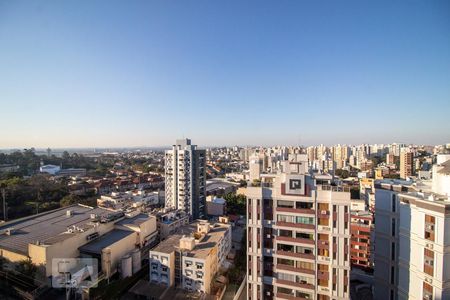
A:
x,y
37,194
29,162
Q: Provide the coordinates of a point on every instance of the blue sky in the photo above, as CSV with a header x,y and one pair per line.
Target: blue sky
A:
x,y
143,73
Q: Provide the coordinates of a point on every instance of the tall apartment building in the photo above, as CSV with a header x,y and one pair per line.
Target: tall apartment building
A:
x,y
298,236
185,175
412,237
406,164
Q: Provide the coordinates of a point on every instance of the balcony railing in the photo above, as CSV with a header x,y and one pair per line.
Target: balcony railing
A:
x,y
294,240
296,284
293,254
297,225
294,269
288,296
333,188
296,210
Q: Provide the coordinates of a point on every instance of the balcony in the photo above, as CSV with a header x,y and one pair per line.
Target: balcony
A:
x,y
288,297
294,269
294,240
296,225
297,255
332,188
295,284
296,210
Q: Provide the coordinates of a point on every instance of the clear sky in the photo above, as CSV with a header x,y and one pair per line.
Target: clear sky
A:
x,y
143,73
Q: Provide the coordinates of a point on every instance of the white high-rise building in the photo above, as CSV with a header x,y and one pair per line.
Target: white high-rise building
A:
x,y
412,237
186,178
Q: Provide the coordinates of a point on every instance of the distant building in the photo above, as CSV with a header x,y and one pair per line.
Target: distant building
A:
x,y
361,240
57,171
185,175
50,169
406,164
5,168
215,206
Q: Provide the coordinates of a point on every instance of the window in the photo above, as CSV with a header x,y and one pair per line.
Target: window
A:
x,y
392,275
393,227
287,204
392,251
305,220
393,202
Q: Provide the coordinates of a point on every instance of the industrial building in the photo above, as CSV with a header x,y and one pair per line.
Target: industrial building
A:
x,y
76,231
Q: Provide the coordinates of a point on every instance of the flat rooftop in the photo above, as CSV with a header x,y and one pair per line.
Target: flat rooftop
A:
x,y
136,220
46,228
106,240
202,247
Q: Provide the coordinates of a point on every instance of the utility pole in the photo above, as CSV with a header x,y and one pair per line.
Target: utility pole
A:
x,y
38,200
4,202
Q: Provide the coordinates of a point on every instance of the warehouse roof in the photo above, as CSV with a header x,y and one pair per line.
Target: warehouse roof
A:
x,y
46,228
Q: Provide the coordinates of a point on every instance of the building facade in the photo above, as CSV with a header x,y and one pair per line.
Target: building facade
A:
x,y
412,238
406,164
298,237
185,175
191,258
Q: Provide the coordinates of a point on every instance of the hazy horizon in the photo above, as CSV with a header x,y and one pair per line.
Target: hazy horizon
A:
x,y
43,149
121,74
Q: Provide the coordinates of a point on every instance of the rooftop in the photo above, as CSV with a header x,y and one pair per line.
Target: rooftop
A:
x,y
96,246
136,220
203,245
46,228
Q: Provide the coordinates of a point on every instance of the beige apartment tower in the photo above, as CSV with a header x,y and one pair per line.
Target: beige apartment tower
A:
x,y
406,164
298,236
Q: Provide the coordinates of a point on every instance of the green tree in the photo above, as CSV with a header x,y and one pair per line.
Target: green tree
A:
x,y
26,268
69,200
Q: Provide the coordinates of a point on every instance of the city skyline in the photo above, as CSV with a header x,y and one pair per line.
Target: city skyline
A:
x,y
121,75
